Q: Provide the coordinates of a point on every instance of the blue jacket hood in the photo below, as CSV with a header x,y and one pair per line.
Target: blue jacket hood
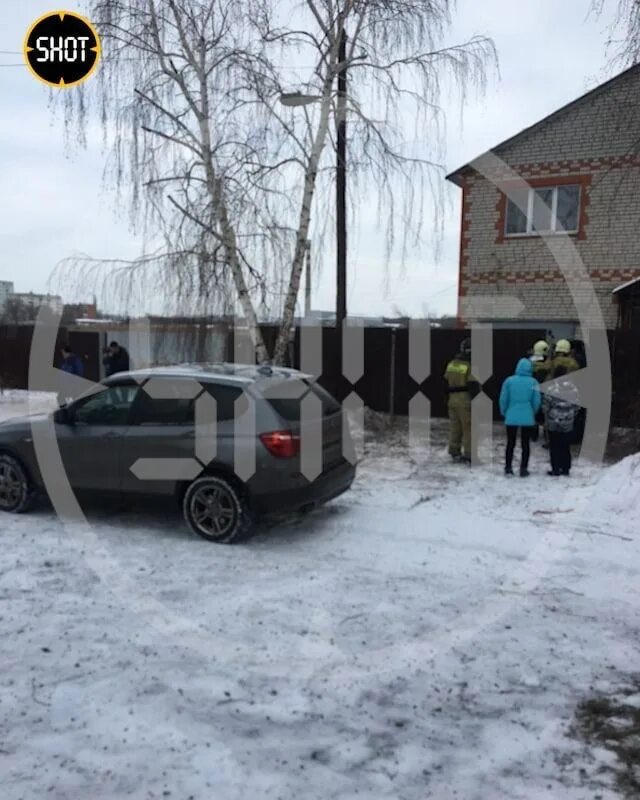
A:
x,y
524,368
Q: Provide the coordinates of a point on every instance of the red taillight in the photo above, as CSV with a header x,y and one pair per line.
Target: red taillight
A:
x,y
281,444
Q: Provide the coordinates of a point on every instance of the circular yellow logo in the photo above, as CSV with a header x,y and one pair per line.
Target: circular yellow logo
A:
x,y
62,49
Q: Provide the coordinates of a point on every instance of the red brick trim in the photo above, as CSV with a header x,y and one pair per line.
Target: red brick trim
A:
x,y
577,164
552,180
464,241
547,276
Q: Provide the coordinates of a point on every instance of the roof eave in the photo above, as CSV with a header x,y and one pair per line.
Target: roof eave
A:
x,y
457,176
623,287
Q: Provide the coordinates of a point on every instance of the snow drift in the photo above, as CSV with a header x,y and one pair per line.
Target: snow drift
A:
x,y
618,490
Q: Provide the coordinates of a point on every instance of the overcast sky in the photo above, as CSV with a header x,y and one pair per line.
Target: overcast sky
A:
x,y
52,206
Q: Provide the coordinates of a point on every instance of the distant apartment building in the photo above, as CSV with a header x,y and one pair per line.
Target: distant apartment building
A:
x,y
79,312
6,290
35,301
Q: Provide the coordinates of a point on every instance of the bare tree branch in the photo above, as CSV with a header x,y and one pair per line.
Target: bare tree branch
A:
x,y
233,184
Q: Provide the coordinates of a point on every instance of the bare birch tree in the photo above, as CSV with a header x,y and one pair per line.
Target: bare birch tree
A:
x,y
188,98
624,33
397,65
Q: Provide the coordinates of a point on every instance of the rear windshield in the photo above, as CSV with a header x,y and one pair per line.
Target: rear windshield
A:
x,y
289,407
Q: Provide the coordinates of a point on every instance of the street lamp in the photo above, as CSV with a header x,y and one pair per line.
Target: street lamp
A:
x,y
294,99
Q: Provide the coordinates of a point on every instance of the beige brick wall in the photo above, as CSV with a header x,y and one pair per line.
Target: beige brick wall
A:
x,y
599,140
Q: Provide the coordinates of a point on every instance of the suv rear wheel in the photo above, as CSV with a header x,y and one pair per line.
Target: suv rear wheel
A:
x,y
16,492
214,509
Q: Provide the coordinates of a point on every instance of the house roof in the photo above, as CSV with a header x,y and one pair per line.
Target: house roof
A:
x,y
627,285
456,175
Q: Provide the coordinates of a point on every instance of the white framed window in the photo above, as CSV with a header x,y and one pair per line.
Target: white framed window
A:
x,y
549,209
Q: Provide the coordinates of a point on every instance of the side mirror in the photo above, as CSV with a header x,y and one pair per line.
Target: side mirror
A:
x,y
63,416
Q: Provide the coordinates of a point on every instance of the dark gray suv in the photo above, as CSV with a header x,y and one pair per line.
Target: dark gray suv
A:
x,y
230,442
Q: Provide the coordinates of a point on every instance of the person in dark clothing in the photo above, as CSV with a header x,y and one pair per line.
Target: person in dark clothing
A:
x,y
540,361
579,353
116,359
561,409
520,401
580,356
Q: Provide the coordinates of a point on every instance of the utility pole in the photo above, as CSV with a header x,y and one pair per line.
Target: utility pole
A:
x,y
341,187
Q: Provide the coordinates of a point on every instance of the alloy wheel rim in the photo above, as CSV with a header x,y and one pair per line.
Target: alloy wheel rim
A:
x,y
11,486
213,511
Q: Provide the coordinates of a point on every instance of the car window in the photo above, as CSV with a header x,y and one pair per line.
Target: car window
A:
x,y
165,411
289,407
176,407
167,401
108,407
330,405
226,397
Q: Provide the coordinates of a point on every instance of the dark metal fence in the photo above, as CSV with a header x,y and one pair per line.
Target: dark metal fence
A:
x,y
624,346
382,348
15,349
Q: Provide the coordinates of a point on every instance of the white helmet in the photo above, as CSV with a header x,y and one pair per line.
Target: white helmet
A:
x,y
540,348
563,346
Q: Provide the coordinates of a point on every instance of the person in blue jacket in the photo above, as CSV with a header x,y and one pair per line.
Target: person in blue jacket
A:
x,y
72,364
520,401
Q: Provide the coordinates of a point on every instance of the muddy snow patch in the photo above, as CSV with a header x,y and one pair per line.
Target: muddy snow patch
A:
x,y
612,723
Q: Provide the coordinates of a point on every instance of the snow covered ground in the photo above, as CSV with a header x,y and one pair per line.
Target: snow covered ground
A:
x,y
428,635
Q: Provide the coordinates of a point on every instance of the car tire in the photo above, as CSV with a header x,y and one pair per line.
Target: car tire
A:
x,y
16,491
214,509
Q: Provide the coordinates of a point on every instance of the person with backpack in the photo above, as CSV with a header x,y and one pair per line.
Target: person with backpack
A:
x,y
520,401
561,406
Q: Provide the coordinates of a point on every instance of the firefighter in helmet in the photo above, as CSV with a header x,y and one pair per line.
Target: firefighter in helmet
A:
x,y
540,361
563,357
541,366
461,389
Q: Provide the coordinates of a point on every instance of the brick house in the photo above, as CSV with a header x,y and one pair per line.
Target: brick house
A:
x,y
581,165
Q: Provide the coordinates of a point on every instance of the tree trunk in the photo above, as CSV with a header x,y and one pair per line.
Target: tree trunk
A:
x,y
216,192
288,313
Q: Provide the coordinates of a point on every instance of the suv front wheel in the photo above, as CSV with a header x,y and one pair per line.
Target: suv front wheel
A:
x,y
214,509
16,492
